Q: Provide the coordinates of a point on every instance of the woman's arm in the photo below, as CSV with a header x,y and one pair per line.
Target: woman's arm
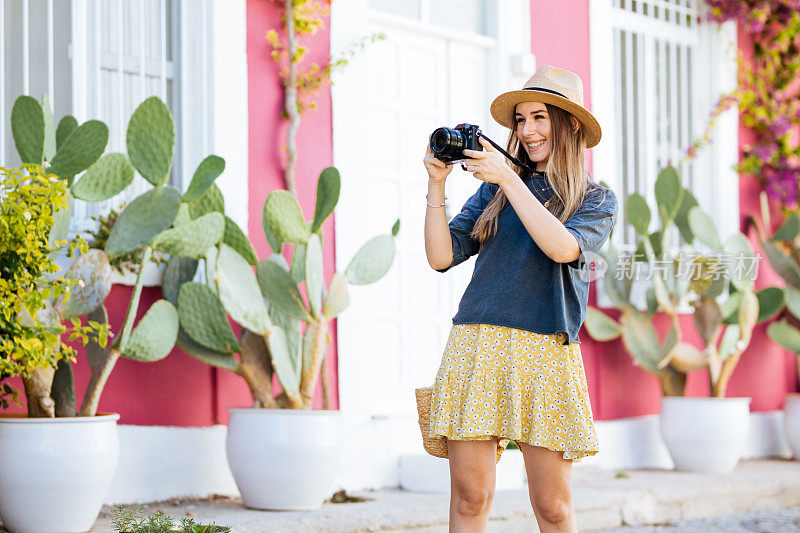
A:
x,y
438,244
549,233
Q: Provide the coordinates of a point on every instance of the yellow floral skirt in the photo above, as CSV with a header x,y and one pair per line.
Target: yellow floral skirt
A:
x,y
516,385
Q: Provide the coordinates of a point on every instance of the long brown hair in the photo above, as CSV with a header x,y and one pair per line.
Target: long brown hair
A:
x,y
566,173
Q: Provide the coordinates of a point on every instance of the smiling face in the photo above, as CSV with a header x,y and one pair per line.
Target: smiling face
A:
x,y
533,129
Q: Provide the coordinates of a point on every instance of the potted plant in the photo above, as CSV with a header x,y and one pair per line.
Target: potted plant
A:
x,y
705,434
283,333
77,447
782,249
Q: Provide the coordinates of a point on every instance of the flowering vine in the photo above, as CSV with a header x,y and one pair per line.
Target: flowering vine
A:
x,y
769,91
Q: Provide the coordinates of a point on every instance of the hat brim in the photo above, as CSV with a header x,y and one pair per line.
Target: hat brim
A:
x,y
504,106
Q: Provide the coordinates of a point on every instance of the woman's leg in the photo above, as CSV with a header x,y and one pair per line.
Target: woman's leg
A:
x,y
550,488
472,478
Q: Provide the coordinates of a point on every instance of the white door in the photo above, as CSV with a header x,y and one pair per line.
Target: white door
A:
x,y
386,104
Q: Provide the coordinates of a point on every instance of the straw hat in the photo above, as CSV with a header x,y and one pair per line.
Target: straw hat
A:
x,y
554,86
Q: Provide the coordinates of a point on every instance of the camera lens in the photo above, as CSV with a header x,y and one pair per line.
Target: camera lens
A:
x,y
447,144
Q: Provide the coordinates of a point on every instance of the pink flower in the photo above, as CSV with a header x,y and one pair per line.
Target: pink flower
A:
x,y
765,151
780,126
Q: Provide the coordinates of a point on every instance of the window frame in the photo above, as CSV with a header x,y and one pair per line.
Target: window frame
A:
x,y
721,199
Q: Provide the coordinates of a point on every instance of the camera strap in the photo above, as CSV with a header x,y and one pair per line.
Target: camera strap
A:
x,y
511,157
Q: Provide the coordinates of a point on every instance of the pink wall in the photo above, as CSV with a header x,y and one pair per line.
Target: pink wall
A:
x,y
617,387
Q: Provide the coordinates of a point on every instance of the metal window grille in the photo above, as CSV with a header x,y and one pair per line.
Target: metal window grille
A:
x,y
661,101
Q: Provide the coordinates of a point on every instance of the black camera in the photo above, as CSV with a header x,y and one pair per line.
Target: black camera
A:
x,y
448,144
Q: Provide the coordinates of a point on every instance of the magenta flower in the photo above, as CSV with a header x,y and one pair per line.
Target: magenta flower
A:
x,y
765,151
780,127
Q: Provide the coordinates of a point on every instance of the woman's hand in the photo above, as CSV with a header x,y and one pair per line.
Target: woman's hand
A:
x,y
489,165
437,170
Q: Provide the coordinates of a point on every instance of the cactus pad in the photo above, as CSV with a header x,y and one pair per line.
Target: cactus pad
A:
x,y
183,216
81,149
785,334
239,291
682,218
328,187
207,171
640,339
372,261
66,126
27,127
178,271
638,213
741,253
337,299
314,276
109,176
144,218
280,290
772,299
209,202
292,328
669,194
287,368
298,270
274,242
151,140
203,318
703,228
236,239
94,272
284,218
784,266
192,239
155,334
203,354
600,326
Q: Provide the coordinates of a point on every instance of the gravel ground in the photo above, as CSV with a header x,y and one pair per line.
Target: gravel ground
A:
x,y
761,521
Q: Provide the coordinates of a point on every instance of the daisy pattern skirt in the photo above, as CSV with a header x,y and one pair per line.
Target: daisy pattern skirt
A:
x,y
516,385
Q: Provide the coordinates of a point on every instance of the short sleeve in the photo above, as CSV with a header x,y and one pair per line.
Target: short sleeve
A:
x,y
592,223
464,246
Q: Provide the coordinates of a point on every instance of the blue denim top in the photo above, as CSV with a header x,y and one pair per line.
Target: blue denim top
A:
x,y
515,284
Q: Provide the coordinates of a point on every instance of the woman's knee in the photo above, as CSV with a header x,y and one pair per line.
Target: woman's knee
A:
x,y
472,500
552,508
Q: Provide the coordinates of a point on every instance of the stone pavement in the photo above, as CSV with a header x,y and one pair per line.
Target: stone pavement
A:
x,y
604,499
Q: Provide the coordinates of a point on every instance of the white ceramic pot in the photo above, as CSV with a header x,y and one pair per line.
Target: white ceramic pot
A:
x,y
705,434
791,421
55,472
284,459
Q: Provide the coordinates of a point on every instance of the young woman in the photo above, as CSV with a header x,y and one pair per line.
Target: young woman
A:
x,y
512,367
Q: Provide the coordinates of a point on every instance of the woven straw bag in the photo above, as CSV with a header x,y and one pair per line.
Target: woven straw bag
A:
x,y
436,445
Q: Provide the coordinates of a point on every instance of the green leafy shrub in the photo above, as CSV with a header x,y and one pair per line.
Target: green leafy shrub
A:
x,y
30,327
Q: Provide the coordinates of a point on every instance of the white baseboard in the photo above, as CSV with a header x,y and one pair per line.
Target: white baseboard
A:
x,y
158,463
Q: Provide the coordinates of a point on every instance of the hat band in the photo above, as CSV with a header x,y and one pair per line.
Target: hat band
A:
x,y
545,90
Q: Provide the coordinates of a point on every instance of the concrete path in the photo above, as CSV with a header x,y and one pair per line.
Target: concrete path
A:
x,y
604,499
